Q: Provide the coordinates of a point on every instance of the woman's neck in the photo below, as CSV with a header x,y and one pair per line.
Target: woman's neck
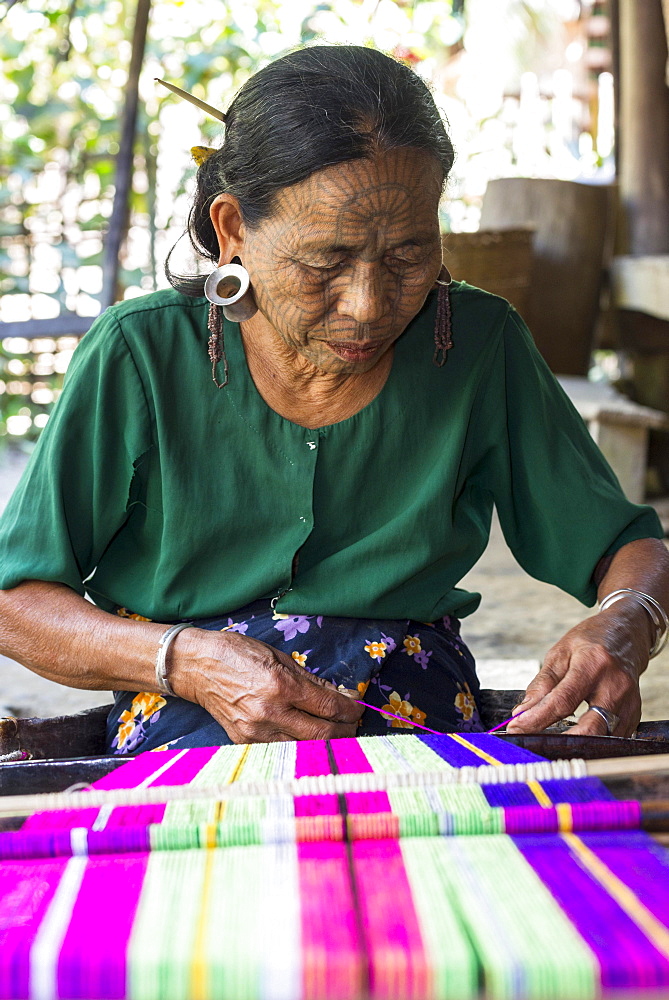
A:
x,y
302,393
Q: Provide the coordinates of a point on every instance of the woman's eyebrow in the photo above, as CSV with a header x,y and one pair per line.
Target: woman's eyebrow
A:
x,y
423,239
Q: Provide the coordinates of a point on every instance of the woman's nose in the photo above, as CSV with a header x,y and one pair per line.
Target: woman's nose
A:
x,y
363,296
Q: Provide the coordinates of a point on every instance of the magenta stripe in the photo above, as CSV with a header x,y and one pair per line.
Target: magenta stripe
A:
x,y
398,964
312,759
350,756
332,953
93,956
351,760
129,775
26,890
181,772
626,957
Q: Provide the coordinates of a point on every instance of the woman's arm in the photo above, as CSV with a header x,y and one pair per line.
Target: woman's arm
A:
x,y
256,692
601,659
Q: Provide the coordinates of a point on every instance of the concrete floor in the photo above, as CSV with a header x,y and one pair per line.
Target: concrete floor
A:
x,y
517,623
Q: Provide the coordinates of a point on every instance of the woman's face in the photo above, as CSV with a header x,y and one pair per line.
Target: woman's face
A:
x,y
347,258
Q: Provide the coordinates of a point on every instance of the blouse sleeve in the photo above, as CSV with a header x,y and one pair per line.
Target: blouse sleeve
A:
x,y
79,485
560,505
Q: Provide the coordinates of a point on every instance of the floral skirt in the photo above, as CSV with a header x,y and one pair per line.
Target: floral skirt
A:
x,y
421,672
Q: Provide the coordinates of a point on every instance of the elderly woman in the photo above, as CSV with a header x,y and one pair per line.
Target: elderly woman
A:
x,y
259,546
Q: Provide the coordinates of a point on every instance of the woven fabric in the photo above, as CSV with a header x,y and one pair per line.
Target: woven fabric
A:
x,y
420,915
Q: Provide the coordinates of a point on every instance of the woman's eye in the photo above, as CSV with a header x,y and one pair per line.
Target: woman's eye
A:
x,y
407,255
319,267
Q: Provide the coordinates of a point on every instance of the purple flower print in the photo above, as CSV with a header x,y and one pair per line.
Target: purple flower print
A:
x,y
235,627
390,642
291,625
131,743
422,658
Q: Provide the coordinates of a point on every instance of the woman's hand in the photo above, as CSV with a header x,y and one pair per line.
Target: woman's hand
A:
x,y
599,662
601,659
258,694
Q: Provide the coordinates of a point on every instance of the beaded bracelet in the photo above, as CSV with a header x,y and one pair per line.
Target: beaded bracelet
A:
x,y
657,614
166,640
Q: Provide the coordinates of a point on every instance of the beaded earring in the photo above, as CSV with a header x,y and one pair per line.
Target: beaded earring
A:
x,y
229,293
216,347
443,333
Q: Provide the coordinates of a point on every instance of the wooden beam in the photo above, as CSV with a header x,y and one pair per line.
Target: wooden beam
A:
x,y
68,325
644,126
118,223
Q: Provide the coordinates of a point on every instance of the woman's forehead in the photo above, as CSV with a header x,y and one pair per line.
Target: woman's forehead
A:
x,y
397,191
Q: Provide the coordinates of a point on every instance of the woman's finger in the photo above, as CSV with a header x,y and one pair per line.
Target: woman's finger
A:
x,y
285,723
591,724
579,675
539,688
315,697
622,700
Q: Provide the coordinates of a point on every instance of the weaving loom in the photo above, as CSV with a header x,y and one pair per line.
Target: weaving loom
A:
x,y
391,880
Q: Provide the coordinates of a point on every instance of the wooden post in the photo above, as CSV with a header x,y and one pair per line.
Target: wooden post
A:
x,y
118,223
644,126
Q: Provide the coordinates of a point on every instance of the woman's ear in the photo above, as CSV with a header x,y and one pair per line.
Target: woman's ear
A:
x,y
226,218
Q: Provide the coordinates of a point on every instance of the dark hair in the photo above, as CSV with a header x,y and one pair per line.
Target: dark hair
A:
x,y
315,107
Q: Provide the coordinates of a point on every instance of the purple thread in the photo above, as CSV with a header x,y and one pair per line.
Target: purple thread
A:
x,y
506,722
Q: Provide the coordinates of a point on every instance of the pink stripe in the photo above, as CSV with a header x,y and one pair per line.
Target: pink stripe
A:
x,y
398,964
131,774
332,954
350,757
368,802
93,957
136,770
26,890
180,773
351,760
312,759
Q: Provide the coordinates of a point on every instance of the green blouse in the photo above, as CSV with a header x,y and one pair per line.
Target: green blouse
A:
x,y
153,490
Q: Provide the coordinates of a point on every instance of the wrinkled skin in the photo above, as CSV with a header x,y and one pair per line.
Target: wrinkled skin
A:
x,y
341,267
338,271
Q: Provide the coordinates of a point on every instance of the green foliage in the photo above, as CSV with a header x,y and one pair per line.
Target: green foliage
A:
x,y
63,71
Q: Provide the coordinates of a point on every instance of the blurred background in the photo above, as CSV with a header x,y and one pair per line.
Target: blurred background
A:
x,y
559,200
96,170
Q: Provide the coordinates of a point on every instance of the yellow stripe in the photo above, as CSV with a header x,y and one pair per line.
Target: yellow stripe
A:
x,y
539,793
240,765
479,753
565,817
210,831
626,899
199,977
220,806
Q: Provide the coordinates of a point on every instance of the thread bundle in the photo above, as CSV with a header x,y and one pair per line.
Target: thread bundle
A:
x,y
410,892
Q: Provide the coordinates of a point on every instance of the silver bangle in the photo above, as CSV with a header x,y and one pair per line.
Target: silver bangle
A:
x,y
166,640
658,616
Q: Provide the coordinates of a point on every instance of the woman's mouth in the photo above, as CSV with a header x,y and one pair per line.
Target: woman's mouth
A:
x,y
355,350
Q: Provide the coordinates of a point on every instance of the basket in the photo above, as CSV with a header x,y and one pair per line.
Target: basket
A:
x,y
498,260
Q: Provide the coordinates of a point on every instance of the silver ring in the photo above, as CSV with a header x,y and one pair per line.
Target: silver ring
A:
x,y
610,718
